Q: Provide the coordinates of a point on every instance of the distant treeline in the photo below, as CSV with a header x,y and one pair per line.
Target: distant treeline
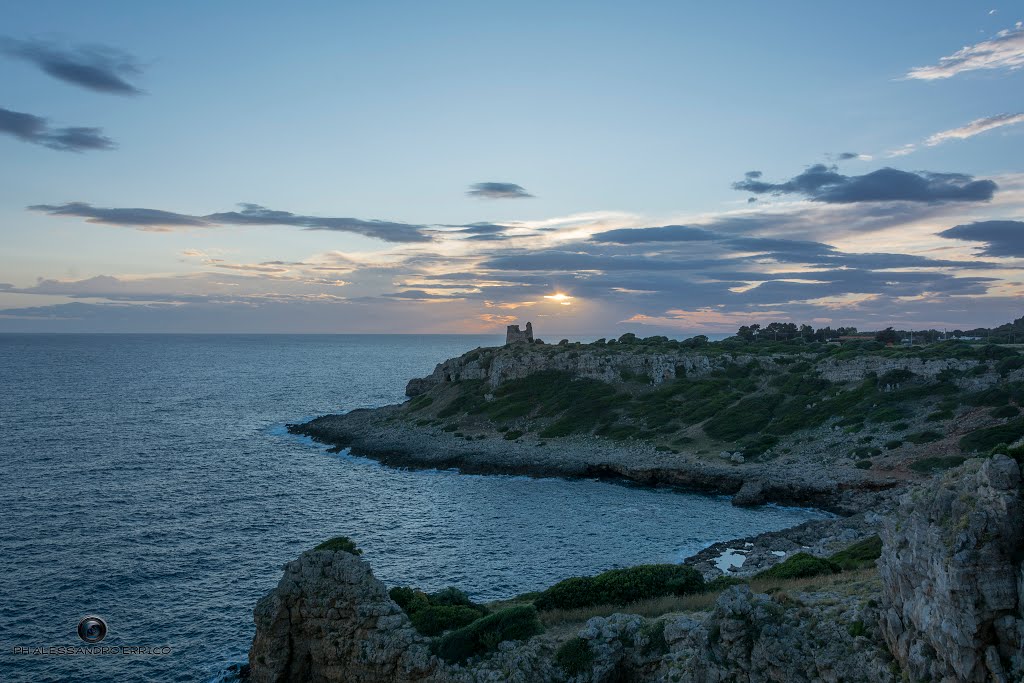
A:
x,y
777,331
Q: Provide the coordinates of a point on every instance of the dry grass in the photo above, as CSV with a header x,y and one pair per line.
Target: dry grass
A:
x,y
857,582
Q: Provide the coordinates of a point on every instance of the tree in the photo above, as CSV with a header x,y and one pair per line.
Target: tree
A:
x,y
887,336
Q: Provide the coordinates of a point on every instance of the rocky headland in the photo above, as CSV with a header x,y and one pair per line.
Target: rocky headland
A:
x,y
920,577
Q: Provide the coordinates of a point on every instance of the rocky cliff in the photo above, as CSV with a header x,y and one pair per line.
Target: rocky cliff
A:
x,y
944,606
611,364
330,621
953,575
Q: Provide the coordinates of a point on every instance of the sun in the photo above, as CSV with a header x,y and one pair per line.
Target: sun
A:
x,y
560,298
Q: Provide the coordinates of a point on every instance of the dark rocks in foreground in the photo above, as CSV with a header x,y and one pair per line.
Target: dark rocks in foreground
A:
x,y
948,608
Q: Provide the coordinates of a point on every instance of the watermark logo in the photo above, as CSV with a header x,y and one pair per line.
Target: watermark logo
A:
x,y
92,629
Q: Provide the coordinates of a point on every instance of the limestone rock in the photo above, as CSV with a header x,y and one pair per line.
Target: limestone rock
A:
x,y
953,576
750,494
329,620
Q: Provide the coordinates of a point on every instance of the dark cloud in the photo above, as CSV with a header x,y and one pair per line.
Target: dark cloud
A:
x,y
98,68
846,156
573,261
1002,238
37,130
251,214
666,233
254,214
498,191
825,184
420,295
135,218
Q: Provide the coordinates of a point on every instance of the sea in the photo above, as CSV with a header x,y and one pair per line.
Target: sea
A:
x,y
150,481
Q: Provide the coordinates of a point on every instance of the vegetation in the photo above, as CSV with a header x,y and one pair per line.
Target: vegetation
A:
x,y
762,396
340,543
937,464
433,614
801,566
574,656
860,555
621,586
484,634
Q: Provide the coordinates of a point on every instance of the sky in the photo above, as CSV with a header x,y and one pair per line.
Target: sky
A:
x,y
454,167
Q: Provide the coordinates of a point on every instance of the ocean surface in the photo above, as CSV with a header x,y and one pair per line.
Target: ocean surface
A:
x,y
149,480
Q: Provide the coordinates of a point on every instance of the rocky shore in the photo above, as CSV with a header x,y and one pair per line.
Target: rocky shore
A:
x,y
385,435
945,605
876,440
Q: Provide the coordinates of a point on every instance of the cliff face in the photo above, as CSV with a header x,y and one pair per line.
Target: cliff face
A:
x,y
329,620
611,364
953,576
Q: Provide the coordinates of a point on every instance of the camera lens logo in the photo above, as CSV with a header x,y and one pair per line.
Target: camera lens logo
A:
x,y
92,629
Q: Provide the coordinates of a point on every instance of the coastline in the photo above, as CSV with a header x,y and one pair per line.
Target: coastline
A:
x,y
381,434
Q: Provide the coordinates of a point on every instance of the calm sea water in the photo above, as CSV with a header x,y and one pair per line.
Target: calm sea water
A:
x,y
149,480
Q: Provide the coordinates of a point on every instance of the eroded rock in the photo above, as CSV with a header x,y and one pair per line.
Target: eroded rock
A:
x,y
953,576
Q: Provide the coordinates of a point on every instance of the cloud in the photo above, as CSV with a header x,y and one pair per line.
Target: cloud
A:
x,y
975,127
98,68
251,214
254,214
37,130
135,218
1004,51
1002,238
666,233
497,191
822,183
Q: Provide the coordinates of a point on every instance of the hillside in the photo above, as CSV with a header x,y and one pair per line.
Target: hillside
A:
x,y
809,423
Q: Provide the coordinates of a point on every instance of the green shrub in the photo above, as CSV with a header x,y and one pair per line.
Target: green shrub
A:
x,y
937,464
863,464
894,444
420,402
655,634
927,436
621,586
983,440
574,656
340,543
450,596
436,619
860,555
1005,411
800,566
484,635
1008,365
512,434
746,417
857,629
409,599
720,583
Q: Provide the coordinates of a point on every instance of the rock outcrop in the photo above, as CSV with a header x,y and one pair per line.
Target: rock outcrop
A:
x,y
329,620
515,361
953,576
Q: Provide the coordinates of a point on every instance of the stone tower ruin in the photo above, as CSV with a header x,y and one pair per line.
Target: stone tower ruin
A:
x,y
514,335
